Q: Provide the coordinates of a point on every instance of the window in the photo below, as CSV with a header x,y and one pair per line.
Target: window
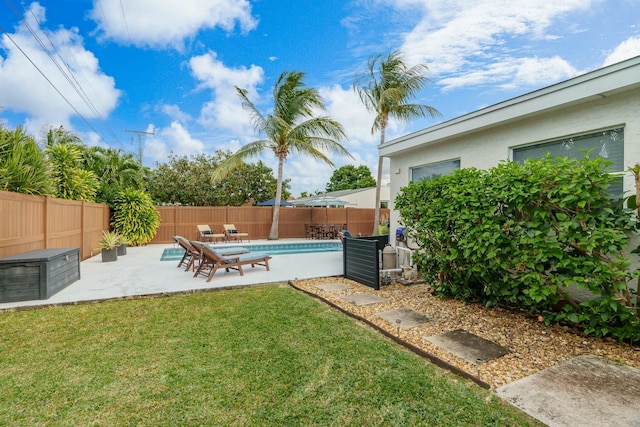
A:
x,y
608,144
434,170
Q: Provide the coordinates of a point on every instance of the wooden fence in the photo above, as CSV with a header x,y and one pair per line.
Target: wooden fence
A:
x,y
256,220
35,222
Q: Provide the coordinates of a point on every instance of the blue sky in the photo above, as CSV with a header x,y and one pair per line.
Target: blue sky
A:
x,y
170,67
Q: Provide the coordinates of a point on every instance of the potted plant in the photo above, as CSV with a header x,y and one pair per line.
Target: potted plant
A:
x,y
122,245
109,246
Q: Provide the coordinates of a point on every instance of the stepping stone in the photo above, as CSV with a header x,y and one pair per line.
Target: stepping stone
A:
x,y
470,347
583,391
363,299
333,287
407,317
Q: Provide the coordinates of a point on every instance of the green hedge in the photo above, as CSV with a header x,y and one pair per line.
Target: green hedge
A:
x,y
519,234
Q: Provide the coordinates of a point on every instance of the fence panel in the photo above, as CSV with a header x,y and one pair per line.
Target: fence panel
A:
x,y
256,220
35,222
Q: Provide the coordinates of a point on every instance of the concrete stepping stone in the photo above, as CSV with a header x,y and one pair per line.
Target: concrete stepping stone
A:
x,y
334,287
363,299
470,347
405,318
583,391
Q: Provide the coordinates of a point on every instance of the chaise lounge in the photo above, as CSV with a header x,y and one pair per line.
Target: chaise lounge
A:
x,y
206,235
231,232
191,253
212,261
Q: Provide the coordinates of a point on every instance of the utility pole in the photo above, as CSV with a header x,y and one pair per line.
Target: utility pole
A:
x,y
140,132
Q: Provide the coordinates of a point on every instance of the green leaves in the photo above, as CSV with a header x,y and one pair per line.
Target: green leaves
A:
x,y
135,217
521,233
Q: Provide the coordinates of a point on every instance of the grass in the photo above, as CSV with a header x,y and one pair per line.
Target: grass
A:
x,y
260,356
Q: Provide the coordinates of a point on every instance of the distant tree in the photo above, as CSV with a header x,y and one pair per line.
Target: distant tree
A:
x,y
386,89
187,181
350,177
23,165
291,127
116,171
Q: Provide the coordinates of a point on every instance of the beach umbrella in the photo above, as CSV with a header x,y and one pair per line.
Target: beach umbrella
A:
x,y
272,202
324,201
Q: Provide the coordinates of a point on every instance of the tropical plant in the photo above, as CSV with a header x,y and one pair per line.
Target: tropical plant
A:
x,y
349,177
23,165
385,89
135,216
290,128
115,170
523,234
70,180
109,240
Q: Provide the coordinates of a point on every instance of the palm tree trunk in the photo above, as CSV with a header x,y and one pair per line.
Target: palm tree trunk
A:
x,y
273,234
376,217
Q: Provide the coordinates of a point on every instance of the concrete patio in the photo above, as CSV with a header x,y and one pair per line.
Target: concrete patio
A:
x,y
141,272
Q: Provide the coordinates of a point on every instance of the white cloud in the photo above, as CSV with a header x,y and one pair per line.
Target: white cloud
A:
x,y
465,42
175,113
173,139
158,24
625,50
23,88
514,73
225,109
345,106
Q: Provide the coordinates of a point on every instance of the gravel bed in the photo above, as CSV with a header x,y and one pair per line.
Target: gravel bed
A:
x,y
532,345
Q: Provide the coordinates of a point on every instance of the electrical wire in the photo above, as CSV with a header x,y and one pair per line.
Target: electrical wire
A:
x,y
69,75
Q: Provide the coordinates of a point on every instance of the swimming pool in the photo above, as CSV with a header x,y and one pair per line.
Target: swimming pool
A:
x,y
174,254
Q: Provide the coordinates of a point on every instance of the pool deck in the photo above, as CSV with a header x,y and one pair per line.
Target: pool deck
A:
x,y
141,272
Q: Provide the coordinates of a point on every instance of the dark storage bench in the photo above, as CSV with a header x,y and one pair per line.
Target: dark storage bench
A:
x,y
38,274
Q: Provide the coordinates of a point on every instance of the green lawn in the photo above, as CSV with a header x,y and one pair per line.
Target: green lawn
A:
x,y
260,356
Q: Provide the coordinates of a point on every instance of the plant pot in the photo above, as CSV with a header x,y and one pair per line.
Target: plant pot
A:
x,y
109,255
122,249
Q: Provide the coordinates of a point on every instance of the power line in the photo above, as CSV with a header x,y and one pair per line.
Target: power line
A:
x,y
69,75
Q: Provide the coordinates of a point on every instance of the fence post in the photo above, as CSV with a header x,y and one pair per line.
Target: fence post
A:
x,y
46,222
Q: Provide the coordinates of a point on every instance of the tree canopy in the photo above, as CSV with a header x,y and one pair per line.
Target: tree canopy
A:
x,y
350,177
186,180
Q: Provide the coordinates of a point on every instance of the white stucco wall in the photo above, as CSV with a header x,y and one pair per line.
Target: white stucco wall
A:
x,y
603,99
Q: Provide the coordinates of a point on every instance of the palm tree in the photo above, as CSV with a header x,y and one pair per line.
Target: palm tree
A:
x,y
290,128
385,89
23,165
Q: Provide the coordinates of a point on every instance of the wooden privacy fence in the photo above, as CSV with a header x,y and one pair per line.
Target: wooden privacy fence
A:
x,y
35,222
256,220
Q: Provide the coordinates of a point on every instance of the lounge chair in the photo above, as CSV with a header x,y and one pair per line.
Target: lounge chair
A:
x,y
232,233
191,253
211,262
206,235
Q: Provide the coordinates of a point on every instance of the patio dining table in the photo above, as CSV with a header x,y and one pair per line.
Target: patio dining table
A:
x,y
323,231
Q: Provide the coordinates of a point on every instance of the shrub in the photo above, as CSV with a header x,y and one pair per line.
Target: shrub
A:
x,y
520,234
135,217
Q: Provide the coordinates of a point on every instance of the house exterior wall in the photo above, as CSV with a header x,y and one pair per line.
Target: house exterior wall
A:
x,y
493,140
366,198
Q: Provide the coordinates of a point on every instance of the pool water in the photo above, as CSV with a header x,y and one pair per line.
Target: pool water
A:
x,y
174,254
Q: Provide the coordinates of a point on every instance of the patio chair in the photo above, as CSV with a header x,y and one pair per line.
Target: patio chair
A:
x,y
232,233
206,235
211,262
191,253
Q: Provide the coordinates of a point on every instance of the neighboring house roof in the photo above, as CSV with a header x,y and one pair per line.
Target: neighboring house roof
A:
x,y
350,196
601,83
